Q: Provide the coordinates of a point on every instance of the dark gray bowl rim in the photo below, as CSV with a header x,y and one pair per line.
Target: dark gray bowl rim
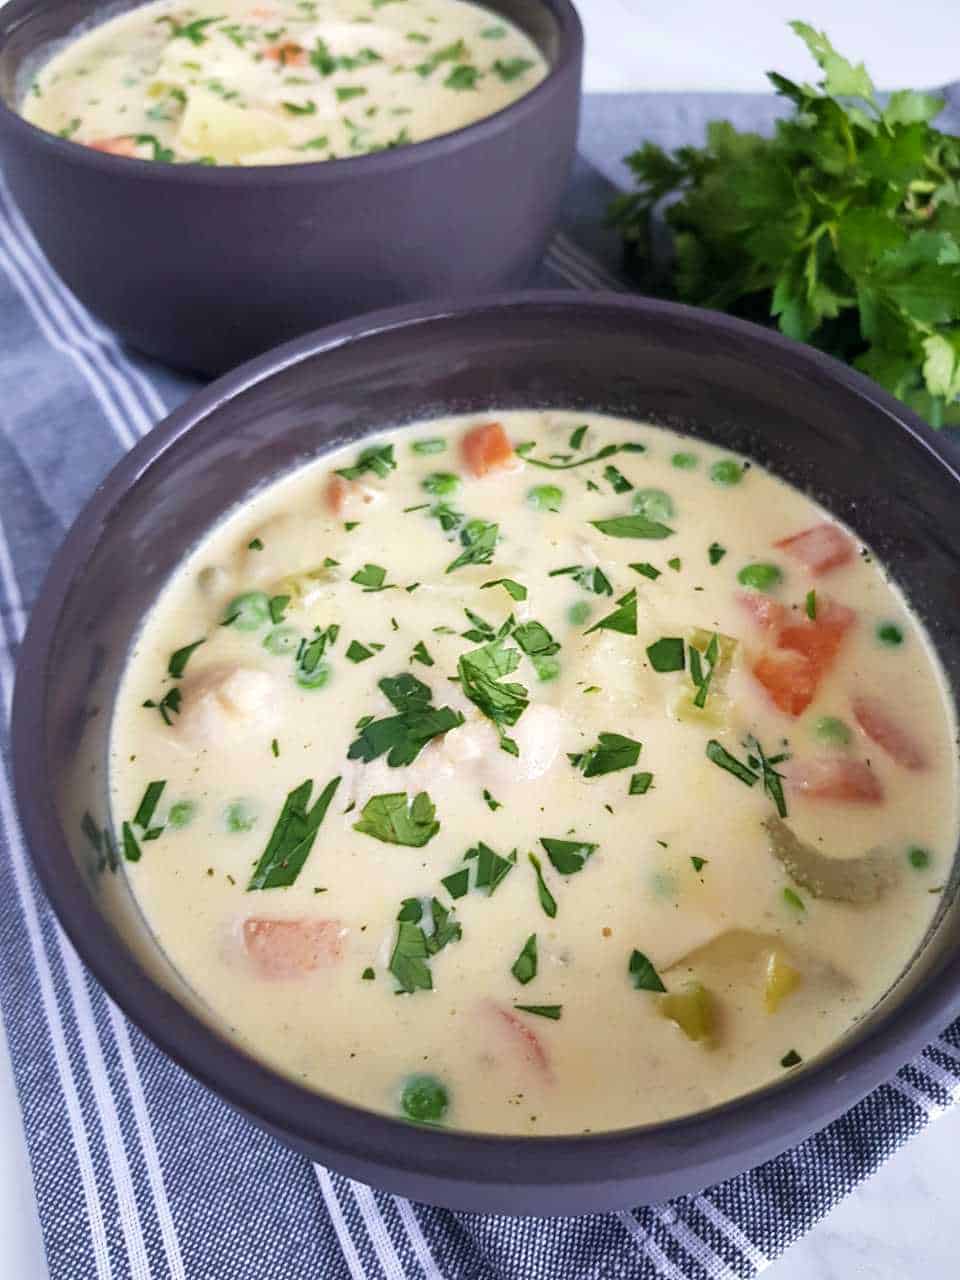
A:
x,y
823,1088
569,53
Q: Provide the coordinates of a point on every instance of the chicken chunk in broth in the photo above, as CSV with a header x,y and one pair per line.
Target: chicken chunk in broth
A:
x,y
546,773
287,82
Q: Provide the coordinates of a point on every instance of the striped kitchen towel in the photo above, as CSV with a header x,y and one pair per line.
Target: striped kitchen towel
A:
x,y
140,1173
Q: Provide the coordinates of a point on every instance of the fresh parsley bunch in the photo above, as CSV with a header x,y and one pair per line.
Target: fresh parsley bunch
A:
x,y
844,226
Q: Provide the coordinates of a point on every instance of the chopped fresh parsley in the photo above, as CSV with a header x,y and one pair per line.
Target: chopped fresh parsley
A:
x,y
635,526
357,652
675,563
148,804
255,544
454,52
623,618
462,77
567,856
524,968
479,539
195,31
346,92
302,108
277,606
481,674
667,654
491,868
458,883
640,784
292,838
793,899
716,552
421,655
701,679
275,747
790,1059
492,804
368,974
435,445
811,605
551,1011
131,850
539,646
547,900
395,819
515,590
378,459
403,736
169,703
371,577
612,752
645,976
722,757
699,863
510,68
178,660
648,570
608,450
590,577
414,947
577,435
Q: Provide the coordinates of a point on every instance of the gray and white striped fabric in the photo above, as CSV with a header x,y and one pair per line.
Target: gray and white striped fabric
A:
x,y
140,1173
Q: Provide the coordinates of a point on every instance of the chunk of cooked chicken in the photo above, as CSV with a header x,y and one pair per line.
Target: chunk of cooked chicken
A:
x,y
219,702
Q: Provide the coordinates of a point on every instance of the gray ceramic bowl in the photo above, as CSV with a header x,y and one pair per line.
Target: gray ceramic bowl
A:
x,y
809,419
206,267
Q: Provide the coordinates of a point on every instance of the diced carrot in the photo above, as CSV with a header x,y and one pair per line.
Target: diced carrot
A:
x,y
124,145
291,948
821,548
288,54
768,614
523,1037
335,494
486,447
820,638
790,680
880,727
833,778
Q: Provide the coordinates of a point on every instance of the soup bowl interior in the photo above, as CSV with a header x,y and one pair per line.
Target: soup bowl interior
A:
x,y
810,421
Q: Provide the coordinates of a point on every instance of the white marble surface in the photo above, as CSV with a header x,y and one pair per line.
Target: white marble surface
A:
x,y
898,1225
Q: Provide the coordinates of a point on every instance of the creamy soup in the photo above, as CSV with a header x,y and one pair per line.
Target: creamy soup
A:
x,y
545,774
288,81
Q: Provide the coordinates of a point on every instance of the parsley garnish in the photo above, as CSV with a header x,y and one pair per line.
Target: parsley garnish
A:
x,y
701,680
616,479
301,108
567,856
277,606
612,752
699,863
357,652
811,605
539,646
647,570
716,552
510,68
491,867
492,804
524,968
395,819
413,947
608,450
256,544
479,539
514,589
404,735
645,976
772,780
131,850
194,31
623,619
640,784
455,52
178,660
577,435
635,526
547,900
591,578
170,702
457,884
292,838
722,757
378,459
371,577
311,652
481,674
790,1059
435,445
793,899
368,974
462,77
148,804
420,654
667,654
552,1011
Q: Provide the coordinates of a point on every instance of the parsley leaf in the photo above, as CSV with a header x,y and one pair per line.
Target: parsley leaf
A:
x,y
623,619
666,654
481,674
590,577
640,784
403,736
377,459
539,646
552,1011
567,856
371,577
395,819
645,976
292,838
479,539
514,589
414,946
148,804
635,526
547,900
420,654
178,660
612,752
524,968
357,652
491,868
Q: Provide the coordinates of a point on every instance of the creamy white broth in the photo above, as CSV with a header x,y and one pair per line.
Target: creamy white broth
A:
x,y
285,82
683,870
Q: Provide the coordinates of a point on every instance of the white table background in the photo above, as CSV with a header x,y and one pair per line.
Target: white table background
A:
x,y
898,1225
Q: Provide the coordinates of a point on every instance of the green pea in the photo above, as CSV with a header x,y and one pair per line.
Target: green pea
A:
x,y
890,634
918,858
239,816
181,813
654,504
248,612
726,472
833,731
442,483
578,613
685,461
314,679
547,668
545,497
281,640
425,1099
760,577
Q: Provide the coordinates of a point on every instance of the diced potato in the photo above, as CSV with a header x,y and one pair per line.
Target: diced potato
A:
x,y
692,1009
782,979
211,126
